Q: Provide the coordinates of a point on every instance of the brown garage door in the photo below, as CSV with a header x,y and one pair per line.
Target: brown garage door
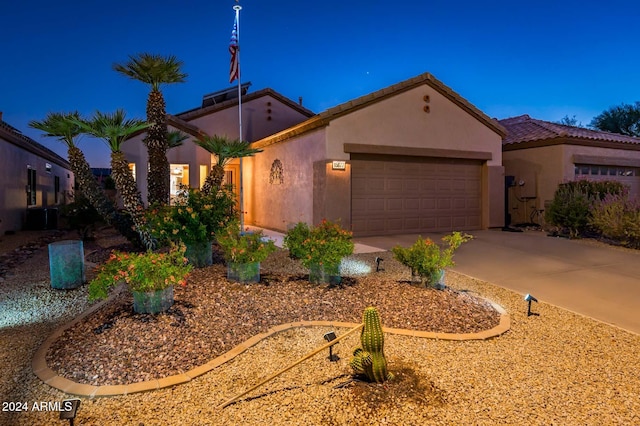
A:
x,y
402,194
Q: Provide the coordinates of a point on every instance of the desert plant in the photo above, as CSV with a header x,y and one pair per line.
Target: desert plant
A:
x,y
369,359
426,258
569,209
617,217
325,244
294,239
80,215
155,71
243,247
143,272
225,150
194,217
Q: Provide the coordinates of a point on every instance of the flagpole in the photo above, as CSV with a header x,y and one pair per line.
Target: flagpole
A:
x,y
238,8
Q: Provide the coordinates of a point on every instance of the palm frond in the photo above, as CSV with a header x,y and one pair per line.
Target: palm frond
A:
x,y
151,69
175,138
63,126
226,149
114,128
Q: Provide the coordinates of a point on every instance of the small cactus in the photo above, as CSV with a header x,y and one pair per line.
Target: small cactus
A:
x,y
369,360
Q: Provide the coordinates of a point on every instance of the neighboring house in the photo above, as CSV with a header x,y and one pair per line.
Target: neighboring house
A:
x,y
540,155
413,157
34,181
264,112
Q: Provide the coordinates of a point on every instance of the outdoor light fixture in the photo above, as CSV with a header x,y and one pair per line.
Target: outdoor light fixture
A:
x,y
378,260
529,298
330,337
69,410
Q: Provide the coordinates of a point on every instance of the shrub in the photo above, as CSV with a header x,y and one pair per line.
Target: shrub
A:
x,y
325,244
295,238
569,209
572,203
81,216
243,247
142,272
618,218
426,258
195,217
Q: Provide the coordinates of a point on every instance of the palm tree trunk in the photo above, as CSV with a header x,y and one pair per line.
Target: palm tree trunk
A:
x,y
98,199
157,146
214,179
131,198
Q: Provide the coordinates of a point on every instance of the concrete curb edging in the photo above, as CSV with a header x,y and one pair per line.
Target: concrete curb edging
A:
x,y
42,370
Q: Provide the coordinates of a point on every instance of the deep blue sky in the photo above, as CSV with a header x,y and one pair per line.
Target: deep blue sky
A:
x,y
544,58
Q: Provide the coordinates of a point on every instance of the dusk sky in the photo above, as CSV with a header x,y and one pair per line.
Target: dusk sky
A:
x,y
544,58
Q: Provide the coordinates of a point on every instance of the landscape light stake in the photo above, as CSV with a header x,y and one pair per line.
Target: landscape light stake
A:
x,y
378,260
529,298
70,410
304,358
330,337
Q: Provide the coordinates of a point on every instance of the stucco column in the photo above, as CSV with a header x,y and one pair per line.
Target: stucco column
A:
x,y
331,193
492,196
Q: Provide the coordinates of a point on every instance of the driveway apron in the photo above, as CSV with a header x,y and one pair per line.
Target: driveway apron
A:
x,y
595,280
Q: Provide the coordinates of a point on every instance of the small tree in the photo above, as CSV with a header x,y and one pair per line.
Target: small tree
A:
x,y
623,119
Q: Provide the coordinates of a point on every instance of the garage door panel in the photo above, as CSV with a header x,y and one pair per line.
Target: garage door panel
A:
x,y
410,195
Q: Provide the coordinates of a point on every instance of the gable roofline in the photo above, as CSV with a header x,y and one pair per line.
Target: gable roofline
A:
x,y
15,137
194,113
348,107
526,132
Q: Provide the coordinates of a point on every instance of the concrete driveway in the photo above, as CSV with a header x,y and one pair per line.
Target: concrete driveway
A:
x,y
595,280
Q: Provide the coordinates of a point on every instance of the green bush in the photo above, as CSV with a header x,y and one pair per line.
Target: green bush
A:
x,y
572,204
325,244
618,218
294,239
569,210
80,215
426,258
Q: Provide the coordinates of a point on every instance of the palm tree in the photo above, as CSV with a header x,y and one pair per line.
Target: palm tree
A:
x,y
65,127
114,129
155,70
175,138
225,150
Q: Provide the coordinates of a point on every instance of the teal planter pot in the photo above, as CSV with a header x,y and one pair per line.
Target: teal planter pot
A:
x,y
66,264
152,302
324,274
244,272
199,253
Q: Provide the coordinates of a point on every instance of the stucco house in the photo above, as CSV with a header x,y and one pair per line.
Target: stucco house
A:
x,y
412,157
34,182
541,154
264,112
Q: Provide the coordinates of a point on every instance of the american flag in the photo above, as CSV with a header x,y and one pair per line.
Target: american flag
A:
x,y
234,69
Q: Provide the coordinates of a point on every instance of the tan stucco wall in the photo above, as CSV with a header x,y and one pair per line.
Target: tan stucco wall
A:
x,y
543,169
401,121
278,206
13,176
257,123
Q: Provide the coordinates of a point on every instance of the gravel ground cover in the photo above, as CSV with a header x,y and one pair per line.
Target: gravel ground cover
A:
x,y
555,368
